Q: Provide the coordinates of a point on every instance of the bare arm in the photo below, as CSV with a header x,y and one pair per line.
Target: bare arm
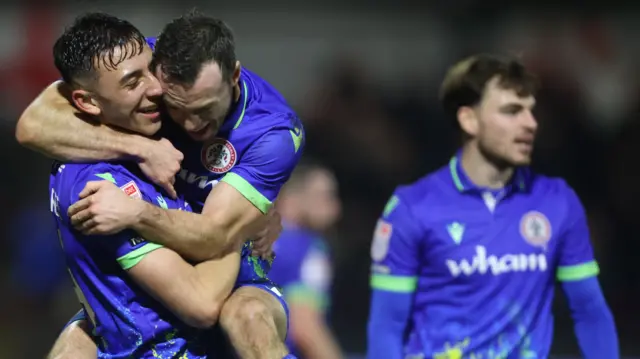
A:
x,y
76,342
194,294
52,126
228,218
310,333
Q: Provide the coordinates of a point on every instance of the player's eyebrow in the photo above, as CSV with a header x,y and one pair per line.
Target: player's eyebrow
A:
x,y
128,77
204,107
512,107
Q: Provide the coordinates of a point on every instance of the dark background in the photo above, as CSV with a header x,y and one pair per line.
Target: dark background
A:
x,y
364,78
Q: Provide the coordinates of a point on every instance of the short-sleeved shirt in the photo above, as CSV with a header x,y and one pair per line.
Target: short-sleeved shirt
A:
x,y
481,263
128,322
303,270
255,151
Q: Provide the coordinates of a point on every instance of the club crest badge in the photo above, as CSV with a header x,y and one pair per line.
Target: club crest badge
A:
x,y
535,229
218,156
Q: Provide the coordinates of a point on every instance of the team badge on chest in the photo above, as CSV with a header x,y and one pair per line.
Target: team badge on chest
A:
x,y
535,228
218,156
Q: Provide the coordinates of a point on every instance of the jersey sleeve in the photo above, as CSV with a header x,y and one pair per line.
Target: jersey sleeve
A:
x,y
126,247
314,277
576,259
266,166
151,41
395,248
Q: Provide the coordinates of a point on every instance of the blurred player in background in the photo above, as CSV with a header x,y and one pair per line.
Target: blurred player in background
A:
x,y
466,258
120,278
241,141
309,204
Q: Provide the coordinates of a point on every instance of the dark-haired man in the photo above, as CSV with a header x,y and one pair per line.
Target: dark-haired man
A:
x,y
241,142
465,259
120,278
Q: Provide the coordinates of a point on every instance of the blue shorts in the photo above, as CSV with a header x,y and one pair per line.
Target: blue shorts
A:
x,y
253,269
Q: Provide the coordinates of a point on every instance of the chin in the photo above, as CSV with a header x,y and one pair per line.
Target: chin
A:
x,y
520,161
151,130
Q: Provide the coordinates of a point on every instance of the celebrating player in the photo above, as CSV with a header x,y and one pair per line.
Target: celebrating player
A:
x,y
121,279
241,141
309,204
465,259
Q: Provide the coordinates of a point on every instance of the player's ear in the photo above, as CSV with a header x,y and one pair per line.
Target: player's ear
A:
x,y
468,120
236,73
85,102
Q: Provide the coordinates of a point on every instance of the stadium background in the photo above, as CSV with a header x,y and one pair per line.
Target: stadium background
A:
x,y
364,78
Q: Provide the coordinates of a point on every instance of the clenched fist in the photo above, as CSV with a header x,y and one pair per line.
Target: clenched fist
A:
x,y
160,163
263,243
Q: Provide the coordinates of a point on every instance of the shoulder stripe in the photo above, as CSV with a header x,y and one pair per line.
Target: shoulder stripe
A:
x,y
578,271
390,283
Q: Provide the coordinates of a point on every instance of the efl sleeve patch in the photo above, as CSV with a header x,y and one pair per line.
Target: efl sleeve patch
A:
x,y
381,237
132,190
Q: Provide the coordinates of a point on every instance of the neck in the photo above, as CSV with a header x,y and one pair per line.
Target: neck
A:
x,y
482,171
236,92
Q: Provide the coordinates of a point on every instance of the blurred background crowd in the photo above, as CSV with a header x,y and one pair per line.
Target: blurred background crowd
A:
x,y
364,77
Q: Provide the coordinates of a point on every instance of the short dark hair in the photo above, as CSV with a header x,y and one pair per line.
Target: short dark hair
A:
x,y
90,43
300,174
189,42
465,82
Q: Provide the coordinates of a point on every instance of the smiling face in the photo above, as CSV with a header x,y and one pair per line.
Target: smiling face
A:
x,y
128,95
202,107
104,62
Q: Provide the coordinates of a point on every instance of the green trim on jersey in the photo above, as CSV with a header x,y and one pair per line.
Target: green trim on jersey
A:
x,y
303,294
248,191
391,283
390,206
244,105
296,136
107,177
130,259
578,271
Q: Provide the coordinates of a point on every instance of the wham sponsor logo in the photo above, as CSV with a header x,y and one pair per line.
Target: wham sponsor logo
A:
x,y
482,263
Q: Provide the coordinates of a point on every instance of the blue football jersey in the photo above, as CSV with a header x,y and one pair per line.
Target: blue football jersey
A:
x,y
481,263
127,321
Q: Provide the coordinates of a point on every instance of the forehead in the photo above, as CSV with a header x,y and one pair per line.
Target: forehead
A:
x,y
124,60
209,86
321,179
497,95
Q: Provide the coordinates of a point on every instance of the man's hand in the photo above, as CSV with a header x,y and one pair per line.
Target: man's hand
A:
x,y
263,244
160,163
104,209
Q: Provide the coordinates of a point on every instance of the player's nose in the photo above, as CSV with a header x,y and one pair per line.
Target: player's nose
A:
x,y
154,89
530,122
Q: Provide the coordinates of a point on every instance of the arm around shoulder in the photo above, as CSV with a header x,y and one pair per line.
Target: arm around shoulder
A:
x,y
52,126
195,294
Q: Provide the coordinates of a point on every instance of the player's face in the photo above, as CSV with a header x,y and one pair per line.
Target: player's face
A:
x,y
128,96
202,108
321,200
506,127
